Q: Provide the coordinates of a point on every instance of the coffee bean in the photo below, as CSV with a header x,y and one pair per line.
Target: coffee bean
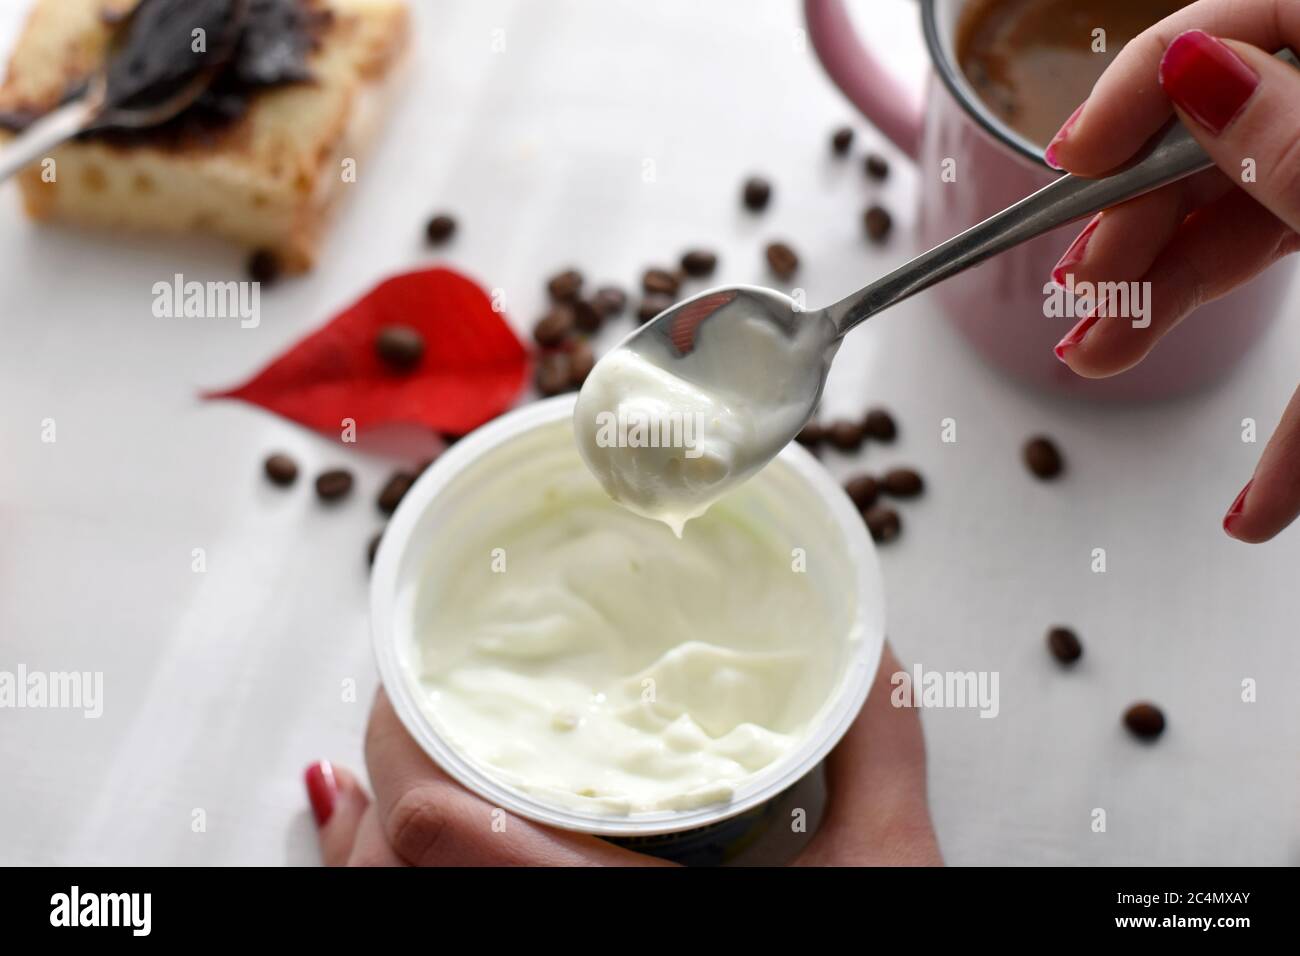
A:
x,y
842,141
811,435
875,166
1145,720
400,347
883,523
373,548
757,193
555,326
877,221
1064,645
333,485
864,490
554,373
903,483
781,259
586,317
581,361
394,491
565,286
264,267
440,229
845,435
698,263
1042,458
879,424
660,281
652,305
609,301
281,469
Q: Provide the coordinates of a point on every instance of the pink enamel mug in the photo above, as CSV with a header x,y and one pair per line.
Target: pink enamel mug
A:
x,y
999,306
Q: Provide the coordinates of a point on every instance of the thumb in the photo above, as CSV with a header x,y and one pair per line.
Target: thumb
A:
x,y
1239,103
876,811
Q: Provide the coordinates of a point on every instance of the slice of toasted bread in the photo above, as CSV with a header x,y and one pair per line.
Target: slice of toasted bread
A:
x,y
265,181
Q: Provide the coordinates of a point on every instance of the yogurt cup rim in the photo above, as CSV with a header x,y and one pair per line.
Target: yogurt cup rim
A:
x,y
862,662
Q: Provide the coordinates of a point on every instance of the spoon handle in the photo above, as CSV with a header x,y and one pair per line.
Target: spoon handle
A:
x,y
1174,154
41,137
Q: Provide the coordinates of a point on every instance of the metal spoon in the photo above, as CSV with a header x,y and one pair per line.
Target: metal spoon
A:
x,y
117,97
673,337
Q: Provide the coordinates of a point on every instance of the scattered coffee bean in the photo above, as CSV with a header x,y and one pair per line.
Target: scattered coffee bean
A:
x,y
846,435
1145,720
811,435
333,485
864,490
400,347
699,263
1064,645
609,301
652,305
876,166
903,483
281,469
883,523
581,361
565,286
555,326
782,260
554,372
440,229
879,424
877,221
263,267
586,317
757,193
842,141
394,491
661,281
373,548
1043,458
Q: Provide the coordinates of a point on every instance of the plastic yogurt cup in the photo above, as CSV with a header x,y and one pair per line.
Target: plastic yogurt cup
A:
x,y
522,467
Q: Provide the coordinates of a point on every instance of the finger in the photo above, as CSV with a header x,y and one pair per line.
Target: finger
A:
x,y
337,803
1271,499
1123,242
1216,249
876,808
1239,102
429,819
1127,105
371,847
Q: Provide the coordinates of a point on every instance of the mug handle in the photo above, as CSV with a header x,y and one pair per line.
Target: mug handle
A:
x,y
859,75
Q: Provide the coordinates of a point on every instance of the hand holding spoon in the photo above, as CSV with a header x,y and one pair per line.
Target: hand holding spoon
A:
x,y
725,380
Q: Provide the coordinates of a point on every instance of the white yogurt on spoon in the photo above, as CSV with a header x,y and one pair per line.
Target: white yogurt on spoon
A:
x,y
669,425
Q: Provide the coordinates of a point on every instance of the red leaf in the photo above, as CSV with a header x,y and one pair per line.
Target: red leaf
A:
x,y
472,370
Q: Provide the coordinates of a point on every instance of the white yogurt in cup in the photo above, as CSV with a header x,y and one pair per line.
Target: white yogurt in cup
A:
x,y
579,665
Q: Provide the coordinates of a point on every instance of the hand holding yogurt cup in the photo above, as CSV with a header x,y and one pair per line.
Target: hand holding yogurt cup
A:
x,y
876,812
1198,239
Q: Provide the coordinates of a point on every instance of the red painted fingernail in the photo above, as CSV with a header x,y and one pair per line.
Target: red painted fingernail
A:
x,y
1074,255
1076,334
1204,77
322,790
1238,506
1049,154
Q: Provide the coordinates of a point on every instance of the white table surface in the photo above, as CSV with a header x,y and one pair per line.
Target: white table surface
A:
x,y
220,687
